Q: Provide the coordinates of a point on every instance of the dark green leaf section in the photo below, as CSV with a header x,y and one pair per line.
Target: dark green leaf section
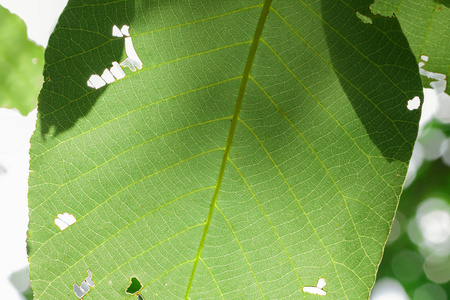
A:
x,y
426,25
21,64
314,172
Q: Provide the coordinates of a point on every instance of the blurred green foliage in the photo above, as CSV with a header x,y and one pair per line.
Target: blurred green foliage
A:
x,y
21,62
405,258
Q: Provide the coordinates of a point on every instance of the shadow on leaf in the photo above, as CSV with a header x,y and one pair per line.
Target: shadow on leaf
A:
x,y
443,2
369,73
84,33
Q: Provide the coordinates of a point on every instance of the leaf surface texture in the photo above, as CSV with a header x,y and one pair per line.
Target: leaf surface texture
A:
x,y
427,28
318,150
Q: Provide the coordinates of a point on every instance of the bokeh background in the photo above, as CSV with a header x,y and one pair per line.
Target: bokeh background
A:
x,y
416,263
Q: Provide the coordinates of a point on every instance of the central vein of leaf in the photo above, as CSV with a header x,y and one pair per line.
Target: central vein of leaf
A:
x,y
237,109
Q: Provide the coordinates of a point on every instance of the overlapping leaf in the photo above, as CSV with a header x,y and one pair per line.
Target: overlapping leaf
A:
x,y
426,25
317,129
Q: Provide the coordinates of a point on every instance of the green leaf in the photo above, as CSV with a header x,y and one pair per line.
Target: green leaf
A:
x,y
248,158
21,64
426,25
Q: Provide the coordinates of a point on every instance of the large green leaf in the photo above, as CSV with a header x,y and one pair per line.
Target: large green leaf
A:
x,y
248,158
426,25
21,64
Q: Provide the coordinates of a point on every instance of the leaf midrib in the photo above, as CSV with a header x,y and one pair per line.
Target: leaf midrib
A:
x,y
245,77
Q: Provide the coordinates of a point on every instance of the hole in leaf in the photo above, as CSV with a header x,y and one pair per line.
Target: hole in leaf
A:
x,y
414,103
440,84
84,288
318,289
95,81
125,30
139,297
107,76
64,220
116,31
115,72
131,52
135,286
127,63
365,19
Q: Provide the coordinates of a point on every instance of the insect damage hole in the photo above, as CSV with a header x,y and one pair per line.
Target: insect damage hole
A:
x,y
414,103
132,61
84,288
64,220
134,288
318,289
440,83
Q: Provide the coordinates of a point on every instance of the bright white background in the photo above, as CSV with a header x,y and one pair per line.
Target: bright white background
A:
x,y
15,131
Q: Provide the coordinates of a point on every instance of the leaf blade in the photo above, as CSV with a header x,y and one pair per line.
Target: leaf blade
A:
x,y
425,24
312,184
